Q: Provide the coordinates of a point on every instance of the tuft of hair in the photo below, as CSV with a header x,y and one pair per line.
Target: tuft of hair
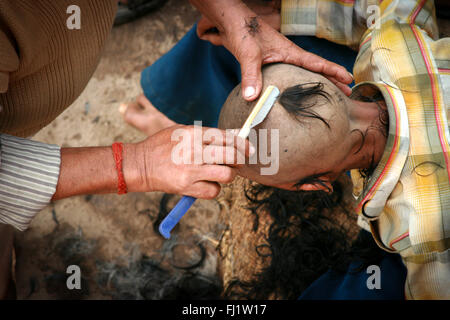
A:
x,y
299,100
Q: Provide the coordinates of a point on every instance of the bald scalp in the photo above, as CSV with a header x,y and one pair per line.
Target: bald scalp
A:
x,y
236,110
297,134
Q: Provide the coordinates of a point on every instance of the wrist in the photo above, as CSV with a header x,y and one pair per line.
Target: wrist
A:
x,y
134,168
227,15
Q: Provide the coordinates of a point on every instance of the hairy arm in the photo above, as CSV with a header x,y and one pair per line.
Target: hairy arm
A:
x,y
149,165
93,171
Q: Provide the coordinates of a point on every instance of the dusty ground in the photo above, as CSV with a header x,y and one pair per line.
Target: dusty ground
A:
x,y
111,237
90,231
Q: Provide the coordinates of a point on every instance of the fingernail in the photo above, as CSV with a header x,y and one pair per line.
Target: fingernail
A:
x,y
122,108
351,76
249,92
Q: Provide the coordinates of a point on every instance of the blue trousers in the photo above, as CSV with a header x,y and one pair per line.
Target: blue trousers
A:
x,y
385,283
192,81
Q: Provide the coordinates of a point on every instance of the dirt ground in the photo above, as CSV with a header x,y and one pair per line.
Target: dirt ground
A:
x,y
111,237
104,233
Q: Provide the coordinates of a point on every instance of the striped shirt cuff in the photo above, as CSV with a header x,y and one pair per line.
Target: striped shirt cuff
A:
x,y
29,172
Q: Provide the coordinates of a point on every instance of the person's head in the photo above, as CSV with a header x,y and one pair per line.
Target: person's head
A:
x,y
321,132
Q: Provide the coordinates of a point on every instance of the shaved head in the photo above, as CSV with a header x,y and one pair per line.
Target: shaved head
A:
x,y
310,116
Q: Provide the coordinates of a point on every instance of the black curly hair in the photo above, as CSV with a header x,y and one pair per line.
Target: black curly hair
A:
x,y
304,241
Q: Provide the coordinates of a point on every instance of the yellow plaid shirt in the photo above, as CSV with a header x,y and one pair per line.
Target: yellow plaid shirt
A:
x,y
406,201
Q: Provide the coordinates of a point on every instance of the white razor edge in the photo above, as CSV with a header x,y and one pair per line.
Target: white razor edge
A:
x,y
264,104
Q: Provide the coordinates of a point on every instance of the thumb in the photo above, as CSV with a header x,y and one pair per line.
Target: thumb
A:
x,y
251,76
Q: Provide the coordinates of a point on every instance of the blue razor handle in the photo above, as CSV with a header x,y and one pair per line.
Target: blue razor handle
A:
x,y
175,215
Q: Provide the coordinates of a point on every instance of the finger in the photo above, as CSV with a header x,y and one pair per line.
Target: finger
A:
x,y
242,145
204,190
228,155
229,137
251,74
343,87
215,173
318,64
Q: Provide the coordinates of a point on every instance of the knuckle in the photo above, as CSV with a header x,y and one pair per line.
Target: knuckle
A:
x,y
212,192
184,181
228,175
252,55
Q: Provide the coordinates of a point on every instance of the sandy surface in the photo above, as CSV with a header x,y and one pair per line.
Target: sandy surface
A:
x,y
95,230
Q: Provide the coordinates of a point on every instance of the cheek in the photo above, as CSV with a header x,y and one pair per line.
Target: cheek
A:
x,y
250,172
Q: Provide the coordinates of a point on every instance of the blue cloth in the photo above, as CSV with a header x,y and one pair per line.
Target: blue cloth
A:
x,y
192,81
353,285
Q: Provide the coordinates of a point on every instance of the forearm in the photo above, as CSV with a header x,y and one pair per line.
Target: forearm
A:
x,y
93,171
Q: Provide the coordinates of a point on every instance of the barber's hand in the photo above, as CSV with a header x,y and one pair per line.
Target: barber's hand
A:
x,y
162,165
254,39
269,11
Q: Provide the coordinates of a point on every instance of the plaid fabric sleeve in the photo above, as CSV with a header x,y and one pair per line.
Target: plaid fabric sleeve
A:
x,y
29,172
407,198
339,21
345,22
408,204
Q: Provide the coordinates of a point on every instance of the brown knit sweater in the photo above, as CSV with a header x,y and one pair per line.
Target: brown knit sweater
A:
x,y
44,66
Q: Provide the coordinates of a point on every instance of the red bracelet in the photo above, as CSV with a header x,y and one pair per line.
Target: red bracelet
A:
x,y
117,148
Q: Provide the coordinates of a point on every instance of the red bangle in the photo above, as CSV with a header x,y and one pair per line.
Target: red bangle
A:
x,y
117,148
